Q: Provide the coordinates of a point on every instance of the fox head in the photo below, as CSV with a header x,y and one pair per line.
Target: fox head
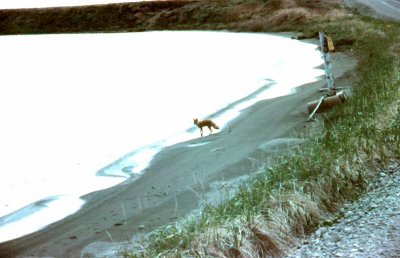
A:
x,y
195,121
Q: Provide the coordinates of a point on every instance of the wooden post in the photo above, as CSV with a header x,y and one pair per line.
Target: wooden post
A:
x,y
325,47
332,98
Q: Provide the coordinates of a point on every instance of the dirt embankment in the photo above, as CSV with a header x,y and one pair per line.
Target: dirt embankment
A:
x,y
269,15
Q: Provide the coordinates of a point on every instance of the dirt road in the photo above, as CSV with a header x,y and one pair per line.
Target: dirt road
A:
x,y
382,8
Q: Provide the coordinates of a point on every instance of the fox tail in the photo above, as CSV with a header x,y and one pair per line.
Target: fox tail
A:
x,y
215,126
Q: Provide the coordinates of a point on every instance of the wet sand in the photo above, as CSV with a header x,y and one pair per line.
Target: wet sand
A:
x,y
179,175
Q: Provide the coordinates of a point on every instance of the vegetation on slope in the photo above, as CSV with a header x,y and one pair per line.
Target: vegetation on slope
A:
x,y
247,15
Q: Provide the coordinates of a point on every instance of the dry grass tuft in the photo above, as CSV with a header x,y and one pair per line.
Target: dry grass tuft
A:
x,y
290,16
276,14
297,211
239,238
267,241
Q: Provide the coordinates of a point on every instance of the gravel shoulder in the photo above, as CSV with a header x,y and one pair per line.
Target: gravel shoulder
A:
x,y
369,227
384,9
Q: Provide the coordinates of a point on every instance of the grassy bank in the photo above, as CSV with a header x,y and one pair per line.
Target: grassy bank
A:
x,y
246,15
299,193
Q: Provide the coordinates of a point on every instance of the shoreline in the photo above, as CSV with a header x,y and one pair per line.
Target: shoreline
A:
x,y
166,190
132,162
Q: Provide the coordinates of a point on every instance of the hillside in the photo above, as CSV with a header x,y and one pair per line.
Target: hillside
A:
x,y
273,15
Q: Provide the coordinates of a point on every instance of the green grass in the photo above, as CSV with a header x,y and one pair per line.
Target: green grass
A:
x,y
298,194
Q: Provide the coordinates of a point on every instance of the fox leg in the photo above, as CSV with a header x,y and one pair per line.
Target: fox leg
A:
x,y
209,127
201,132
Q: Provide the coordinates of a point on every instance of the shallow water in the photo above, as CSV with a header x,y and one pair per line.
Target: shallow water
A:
x,y
83,112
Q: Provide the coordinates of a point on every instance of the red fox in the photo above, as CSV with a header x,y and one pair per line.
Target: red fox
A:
x,y
200,124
